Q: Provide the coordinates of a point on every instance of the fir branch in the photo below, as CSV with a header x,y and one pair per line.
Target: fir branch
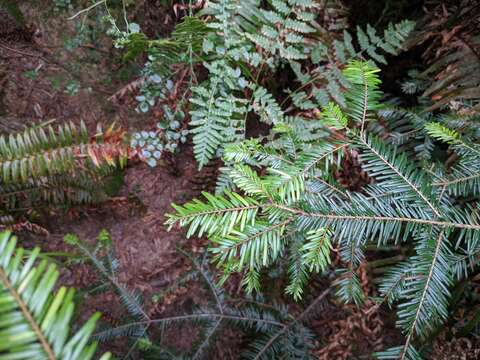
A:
x,y
394,168
442,224
188,317
297,319
426,297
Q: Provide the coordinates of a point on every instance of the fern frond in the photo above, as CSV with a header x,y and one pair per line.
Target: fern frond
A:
x,y
217,112
453,66
57,191
284,28
38,152
266,107
35,323
393,39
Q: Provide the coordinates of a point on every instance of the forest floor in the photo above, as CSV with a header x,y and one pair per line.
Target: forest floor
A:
x,y
41,81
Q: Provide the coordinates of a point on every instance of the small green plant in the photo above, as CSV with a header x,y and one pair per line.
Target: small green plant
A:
x,y
72,88
31,74
170,130
157,89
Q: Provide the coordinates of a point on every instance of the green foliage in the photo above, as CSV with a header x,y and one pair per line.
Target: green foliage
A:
x,y
187,34
332,116
414,132
43,167
277,214
45,152
281,198
134,324
440,132
157,90
285,32
326,81
268,328
392,41
283,28
217,114
150,145
35,323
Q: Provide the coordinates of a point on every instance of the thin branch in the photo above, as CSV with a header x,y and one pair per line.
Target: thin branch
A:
x,y
456,181
330,186
206,278
262,232
195,316
443,224
217,212
405,179
305,170
112,280
287,327
424,293
365,105
205,342
87,9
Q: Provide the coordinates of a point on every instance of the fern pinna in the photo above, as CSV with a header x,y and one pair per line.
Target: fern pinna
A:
x,y
249,39
43,166
34,322
299,211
